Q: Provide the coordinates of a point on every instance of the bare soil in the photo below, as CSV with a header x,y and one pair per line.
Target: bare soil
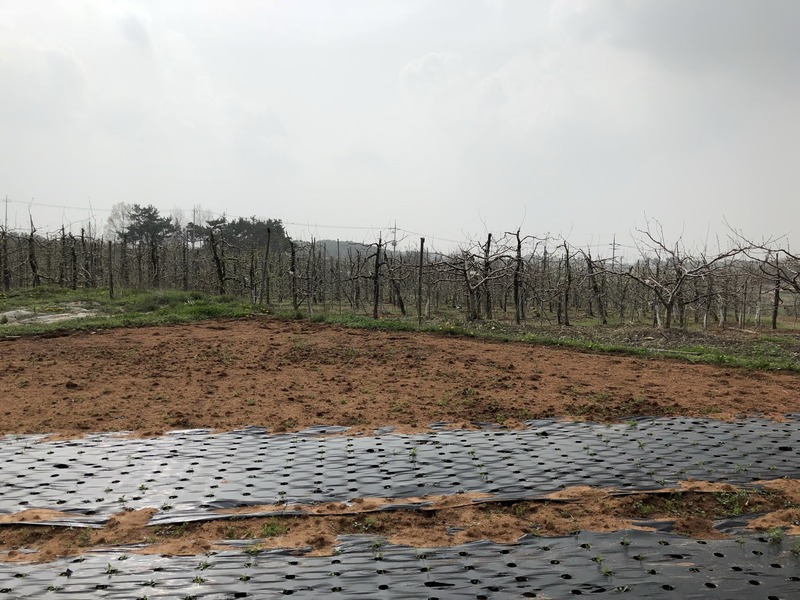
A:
x,y
287,375
448,520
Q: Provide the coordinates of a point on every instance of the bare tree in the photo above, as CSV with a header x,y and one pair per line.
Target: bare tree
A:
x,y
517,281
475,268
32,256
592,274
668,282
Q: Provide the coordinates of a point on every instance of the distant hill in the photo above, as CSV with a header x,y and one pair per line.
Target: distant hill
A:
x,y
343,247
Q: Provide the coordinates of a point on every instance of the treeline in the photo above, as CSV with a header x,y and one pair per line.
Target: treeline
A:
x,y
503,277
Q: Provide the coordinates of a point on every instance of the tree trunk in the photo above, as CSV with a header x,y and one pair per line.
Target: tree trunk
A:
x,y
34,264
596,289
668,310
419,280
219,263
265,271
487,267
154,266
110,270
310,279
518,282
74,263
185,256
472,303
376,281
62,263
293,276
123,261
399,297
568,283
776,294
5,271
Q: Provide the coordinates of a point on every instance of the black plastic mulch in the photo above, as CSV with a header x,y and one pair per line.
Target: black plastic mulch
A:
x,y
192,473
634,563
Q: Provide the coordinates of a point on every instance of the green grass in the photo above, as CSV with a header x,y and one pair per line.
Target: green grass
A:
x,y
131,309
273,528
755,354
764,351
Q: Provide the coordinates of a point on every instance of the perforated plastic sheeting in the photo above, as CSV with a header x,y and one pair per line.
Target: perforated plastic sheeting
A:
x,y
646,565
195,471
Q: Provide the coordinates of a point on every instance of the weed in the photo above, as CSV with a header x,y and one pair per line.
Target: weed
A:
x,y
273,528
84,538
775,535
644,509
734,502
364,525
795,548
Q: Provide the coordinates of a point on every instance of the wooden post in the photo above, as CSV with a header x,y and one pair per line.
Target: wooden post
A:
x,y
376,282
265,271
339,276
419,280
518,282
568,283
110,271
5,271
310,284
185,249
293,274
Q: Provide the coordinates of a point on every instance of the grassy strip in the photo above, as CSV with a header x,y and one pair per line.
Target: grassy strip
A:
x,y
693,354
138,309
151,308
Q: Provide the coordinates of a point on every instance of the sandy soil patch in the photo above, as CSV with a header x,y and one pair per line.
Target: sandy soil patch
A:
x,y
288,375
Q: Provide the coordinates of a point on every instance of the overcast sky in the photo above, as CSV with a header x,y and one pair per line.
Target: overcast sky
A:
x,y
450,117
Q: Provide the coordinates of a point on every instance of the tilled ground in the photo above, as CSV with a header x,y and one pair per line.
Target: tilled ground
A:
x,y
289,375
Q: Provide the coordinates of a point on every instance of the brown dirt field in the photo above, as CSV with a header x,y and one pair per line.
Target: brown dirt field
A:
x,y
287,375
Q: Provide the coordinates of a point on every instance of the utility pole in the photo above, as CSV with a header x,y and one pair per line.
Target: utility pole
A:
x,y
613,251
